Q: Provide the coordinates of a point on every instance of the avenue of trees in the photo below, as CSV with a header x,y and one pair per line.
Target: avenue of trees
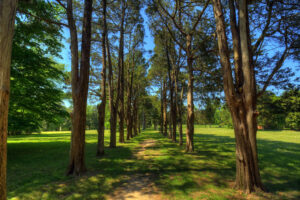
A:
x,y
213,63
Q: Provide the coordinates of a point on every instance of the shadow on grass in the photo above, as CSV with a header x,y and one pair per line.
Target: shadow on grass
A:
x,y
36,170
215,158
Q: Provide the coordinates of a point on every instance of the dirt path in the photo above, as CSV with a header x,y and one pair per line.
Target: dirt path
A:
x,y
138,186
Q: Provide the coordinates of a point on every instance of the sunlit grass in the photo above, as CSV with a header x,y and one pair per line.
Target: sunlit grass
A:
x,y
37,164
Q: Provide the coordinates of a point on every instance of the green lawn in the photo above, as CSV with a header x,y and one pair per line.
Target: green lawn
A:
x,y
37,164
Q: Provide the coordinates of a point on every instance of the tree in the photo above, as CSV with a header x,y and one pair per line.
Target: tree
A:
x,y
36,95
7,21
187,32
80,81
101,107
241,89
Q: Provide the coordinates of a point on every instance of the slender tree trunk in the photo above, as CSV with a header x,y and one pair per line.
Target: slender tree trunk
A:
x,y
190,100
129,109
144,121
170,124
180,113
139,124
121,75
242,102
101,119
101,107
172,121
7,21
80,82
135,126
165,122
112,106
161,109
174,107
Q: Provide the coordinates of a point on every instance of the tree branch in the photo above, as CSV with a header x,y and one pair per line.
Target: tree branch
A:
x,y
61,4
278,65
48,21
264,32
179,27
200,16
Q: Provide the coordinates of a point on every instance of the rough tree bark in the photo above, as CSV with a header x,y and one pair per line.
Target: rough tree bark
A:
x,y
240,97
190,99
80,81
7,21
101,107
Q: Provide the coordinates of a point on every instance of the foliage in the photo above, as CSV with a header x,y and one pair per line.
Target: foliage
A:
x,y
278,112
35,78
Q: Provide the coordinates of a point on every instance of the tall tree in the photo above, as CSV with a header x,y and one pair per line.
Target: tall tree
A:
x,y
80,81
101,107
36,82
187,32
121,72
241,90
7,21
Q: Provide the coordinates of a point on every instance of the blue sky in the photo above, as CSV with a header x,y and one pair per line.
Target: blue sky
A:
x,y
149,45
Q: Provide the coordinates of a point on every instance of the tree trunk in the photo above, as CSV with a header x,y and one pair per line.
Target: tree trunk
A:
x,y
161,109
129,109
101,107
170,124
112,106
190,101
172,121
121,75
80,83
165,122
174,106
241,101
101,119
135,110
7,21
180,113
144,121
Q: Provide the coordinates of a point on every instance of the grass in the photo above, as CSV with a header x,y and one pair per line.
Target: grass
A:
x,y
37,164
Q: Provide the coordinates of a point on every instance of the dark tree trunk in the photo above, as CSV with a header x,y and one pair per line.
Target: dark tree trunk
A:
x,y
165,122
80,82
172,121
7,21
129,106
190,100
112,106
170,125
135,113
161,109
241,97
139,124
101,107
144,121
180,113
121,76
101,119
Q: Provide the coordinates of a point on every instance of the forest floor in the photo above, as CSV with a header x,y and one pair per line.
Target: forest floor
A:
x,y
150,166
